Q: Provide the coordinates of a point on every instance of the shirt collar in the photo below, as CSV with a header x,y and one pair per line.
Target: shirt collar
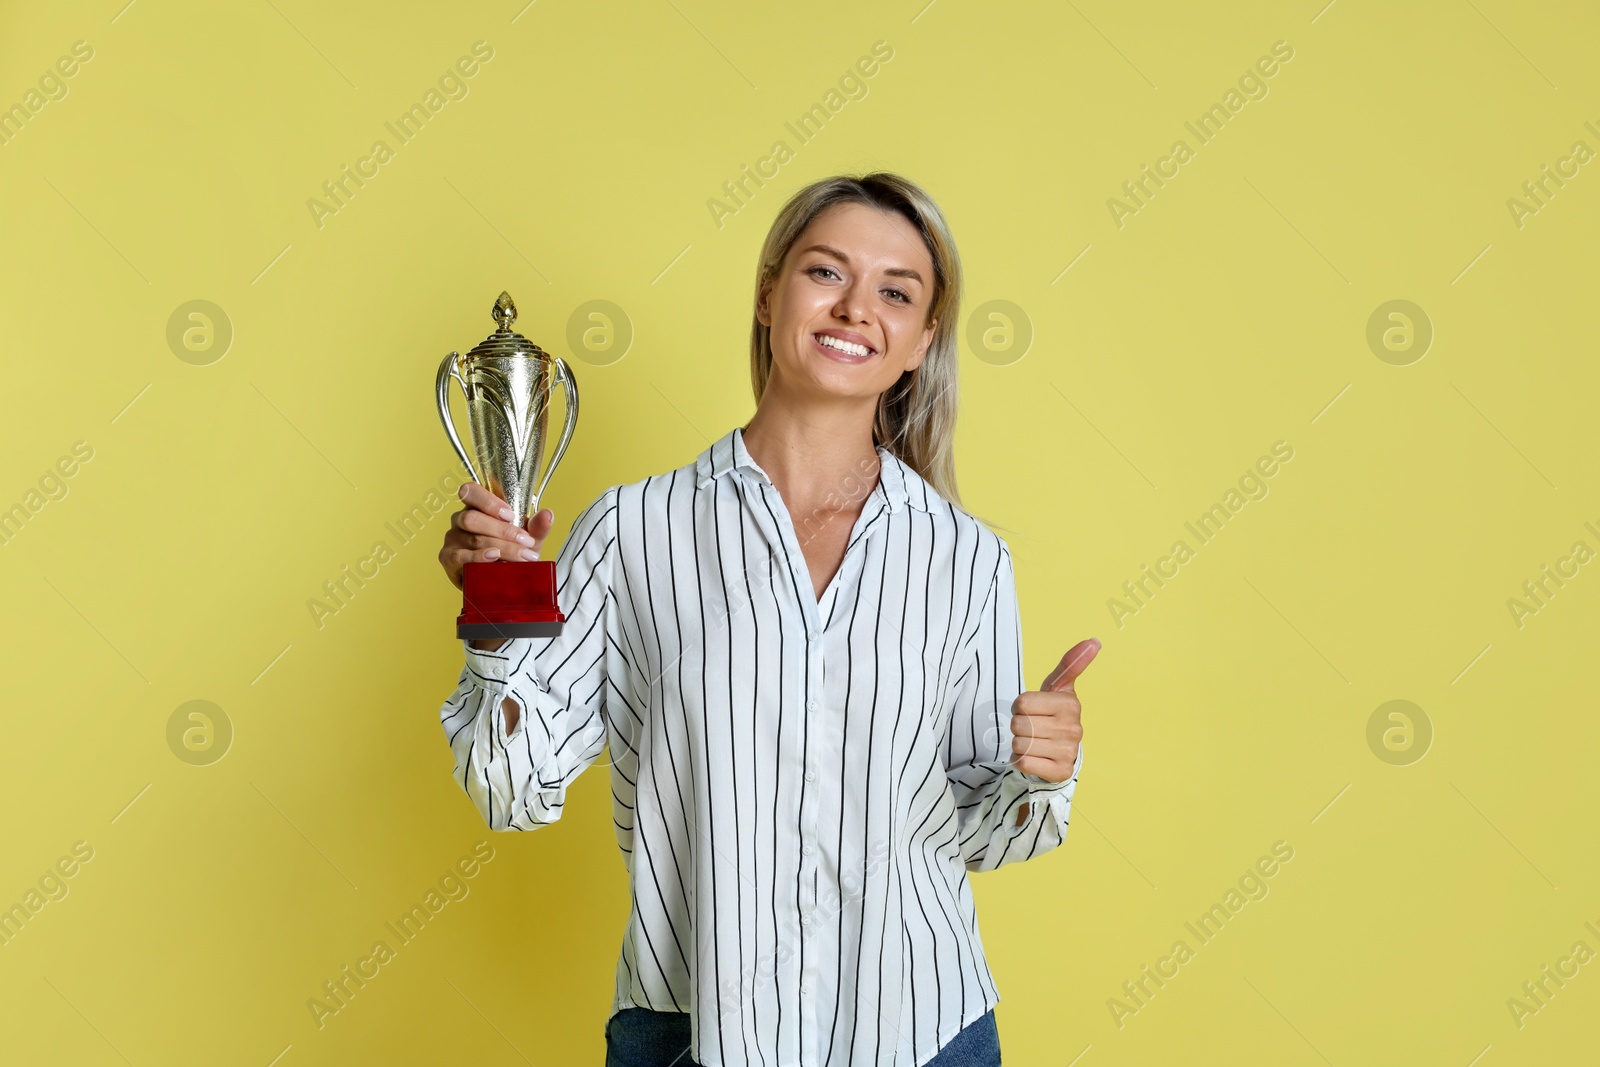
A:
x,y
899,484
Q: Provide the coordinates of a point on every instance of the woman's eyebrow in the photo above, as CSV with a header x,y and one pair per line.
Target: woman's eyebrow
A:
x,y
893,272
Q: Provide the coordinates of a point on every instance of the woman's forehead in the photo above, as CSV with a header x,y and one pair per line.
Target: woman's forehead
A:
x,y
862,231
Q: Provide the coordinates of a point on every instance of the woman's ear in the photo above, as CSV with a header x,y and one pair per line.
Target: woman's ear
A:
x,y
763,312
922,346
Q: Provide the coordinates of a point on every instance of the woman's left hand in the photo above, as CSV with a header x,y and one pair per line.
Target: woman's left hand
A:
x,y
1045,723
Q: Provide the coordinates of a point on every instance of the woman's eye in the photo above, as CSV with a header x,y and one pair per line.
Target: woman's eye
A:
x,y
820,270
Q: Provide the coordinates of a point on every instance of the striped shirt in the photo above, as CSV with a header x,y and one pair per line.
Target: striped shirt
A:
x,y
799,785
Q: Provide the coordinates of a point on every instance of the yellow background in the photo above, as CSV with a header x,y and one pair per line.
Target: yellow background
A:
x,y
1229,313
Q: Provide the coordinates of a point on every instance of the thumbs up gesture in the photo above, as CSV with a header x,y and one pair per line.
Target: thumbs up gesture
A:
x,y
1045,726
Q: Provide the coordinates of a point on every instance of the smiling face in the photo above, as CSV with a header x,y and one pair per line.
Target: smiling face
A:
x,y
848,308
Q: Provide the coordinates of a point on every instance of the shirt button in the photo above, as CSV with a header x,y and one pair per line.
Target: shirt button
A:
x,y
811,776
807,850
805,921
811,705
813,635
806,989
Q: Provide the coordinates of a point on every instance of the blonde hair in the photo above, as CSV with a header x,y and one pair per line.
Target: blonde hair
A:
x,y
916,417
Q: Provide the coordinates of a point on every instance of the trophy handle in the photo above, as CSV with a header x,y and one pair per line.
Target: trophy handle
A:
x,y
448,369
570,384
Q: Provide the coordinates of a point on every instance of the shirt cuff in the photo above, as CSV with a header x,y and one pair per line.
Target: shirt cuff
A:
x,y
490,670
1056,797
493,672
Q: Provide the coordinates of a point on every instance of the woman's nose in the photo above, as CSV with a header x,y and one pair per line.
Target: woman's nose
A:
x,y
852,304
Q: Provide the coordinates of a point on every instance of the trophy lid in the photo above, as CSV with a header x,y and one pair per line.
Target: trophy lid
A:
x,y
505,341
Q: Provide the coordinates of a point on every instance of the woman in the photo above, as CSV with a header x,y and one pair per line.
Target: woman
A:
x,y
806,662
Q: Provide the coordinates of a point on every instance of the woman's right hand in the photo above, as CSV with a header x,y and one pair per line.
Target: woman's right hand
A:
x,y
485,529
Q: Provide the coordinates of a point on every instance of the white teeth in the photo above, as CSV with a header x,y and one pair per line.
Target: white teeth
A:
x,y
843,346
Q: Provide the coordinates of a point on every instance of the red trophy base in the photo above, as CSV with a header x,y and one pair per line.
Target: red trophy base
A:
x,y
509,598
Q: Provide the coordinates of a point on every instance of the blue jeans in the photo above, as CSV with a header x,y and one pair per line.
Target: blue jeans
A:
x,y
640,1037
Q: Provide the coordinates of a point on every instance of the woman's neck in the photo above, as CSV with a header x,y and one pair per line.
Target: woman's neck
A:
x,y
818,458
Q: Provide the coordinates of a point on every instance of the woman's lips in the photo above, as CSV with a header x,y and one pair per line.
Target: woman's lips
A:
x,y
835,354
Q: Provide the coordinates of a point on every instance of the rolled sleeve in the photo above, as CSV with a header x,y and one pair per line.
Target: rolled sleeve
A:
x,y
518,778
987,787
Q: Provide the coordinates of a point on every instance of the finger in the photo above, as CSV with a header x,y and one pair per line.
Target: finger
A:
x,y
1042,767
1045,703
474,521
540,523
1072,664
1046,719
473,546
1027,726
512,550
477,496
1053,748
455,559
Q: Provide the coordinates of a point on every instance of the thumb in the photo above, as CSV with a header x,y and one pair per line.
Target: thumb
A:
x,y
1072,664
539,525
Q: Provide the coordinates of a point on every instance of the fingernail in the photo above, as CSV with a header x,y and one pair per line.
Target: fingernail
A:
x,y
529,554
493,553
462,491
505,513
524,539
